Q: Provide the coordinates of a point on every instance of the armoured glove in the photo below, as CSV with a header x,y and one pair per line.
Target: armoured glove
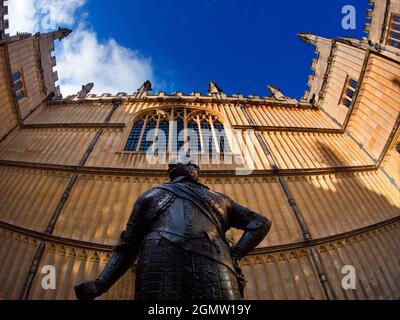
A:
x,y
88,290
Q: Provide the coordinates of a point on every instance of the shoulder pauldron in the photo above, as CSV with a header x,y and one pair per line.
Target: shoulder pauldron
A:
x,y
160,200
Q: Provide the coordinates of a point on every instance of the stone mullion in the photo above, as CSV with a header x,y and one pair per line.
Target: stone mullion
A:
x,y
142,133
50,228
198,123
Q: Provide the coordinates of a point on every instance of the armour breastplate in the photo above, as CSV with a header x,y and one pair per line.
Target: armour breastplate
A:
x,y
183,218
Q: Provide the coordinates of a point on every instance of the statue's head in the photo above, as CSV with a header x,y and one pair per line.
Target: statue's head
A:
x,y
183,166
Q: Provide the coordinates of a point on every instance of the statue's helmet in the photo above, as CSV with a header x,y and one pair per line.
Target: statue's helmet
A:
x,y
183,166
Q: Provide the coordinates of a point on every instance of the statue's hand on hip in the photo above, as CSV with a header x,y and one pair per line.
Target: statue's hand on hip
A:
x,y
88,290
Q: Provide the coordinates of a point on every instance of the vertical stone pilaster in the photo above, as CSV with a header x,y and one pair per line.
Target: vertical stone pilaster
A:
x,y
60,206
315,259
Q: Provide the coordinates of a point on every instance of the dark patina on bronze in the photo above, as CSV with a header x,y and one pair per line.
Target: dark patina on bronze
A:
x,y
177,232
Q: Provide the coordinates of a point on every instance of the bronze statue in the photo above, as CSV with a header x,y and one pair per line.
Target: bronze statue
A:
x,y
178,232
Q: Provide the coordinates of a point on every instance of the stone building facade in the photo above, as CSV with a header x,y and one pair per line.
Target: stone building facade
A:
x,y
326,168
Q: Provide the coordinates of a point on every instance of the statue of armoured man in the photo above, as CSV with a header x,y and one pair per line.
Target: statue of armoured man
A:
x,y
177,232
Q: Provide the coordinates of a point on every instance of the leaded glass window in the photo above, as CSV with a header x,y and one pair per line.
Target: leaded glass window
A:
x,y
194,136
353,83
16,76
163,135
347,102
223,139
207,137
134,136
148,135
176,130
20,95
349,92
394,43
18,85
178,138
393,36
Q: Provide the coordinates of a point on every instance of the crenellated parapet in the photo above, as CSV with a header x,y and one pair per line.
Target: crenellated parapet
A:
x,y
323,50
3,20
215,95
376,20
30,60
48,61
194,97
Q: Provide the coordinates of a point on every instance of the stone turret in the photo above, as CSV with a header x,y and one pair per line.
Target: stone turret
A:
x,y
46,43
376,20
381,34
323,48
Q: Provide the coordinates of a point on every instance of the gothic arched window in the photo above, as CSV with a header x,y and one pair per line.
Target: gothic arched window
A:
x,y
177,129
134,136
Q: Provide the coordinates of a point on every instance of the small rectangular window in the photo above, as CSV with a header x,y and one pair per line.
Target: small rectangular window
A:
x,y
394,44
20,95
347,102
349,92
17,86
393,35
16,76
353,84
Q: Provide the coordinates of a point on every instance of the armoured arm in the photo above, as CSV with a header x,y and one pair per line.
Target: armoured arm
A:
x,y
124,255
255,227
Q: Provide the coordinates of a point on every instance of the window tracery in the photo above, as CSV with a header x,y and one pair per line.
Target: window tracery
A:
x,y
178,129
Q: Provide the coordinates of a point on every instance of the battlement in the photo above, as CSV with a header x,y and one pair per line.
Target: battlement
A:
x,y
323,48
3,21
378,24
181,97
376,19
49,62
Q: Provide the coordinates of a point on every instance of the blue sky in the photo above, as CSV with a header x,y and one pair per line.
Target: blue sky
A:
x,y
243,45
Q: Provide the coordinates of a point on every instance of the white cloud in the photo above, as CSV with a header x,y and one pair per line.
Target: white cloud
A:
x,y
81,57
21,16
41,15
59,11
